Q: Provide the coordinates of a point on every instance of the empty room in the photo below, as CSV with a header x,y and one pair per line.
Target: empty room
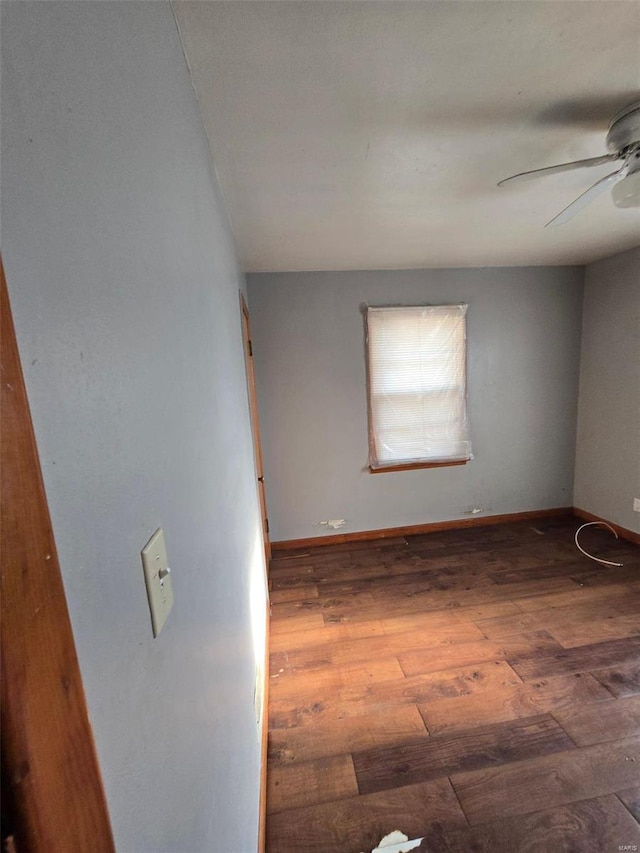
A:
x,y
321,426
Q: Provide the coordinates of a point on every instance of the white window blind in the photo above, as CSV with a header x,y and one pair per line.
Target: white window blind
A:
x,y
417,385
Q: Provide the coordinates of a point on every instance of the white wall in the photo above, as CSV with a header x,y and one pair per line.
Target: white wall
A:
x,y
523,349
124,285
608,445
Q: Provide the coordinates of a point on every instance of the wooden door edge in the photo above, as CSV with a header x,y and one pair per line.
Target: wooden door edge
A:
x,y
48,752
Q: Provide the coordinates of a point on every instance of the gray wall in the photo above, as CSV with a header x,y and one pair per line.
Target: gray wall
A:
x,y
523,350
608,445
124,285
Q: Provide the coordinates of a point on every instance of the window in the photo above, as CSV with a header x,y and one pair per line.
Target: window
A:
x,y
417,386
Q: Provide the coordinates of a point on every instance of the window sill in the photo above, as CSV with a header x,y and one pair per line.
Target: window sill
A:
x,y
411,466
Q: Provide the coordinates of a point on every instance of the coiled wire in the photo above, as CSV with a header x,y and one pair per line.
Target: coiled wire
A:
x,y
590,556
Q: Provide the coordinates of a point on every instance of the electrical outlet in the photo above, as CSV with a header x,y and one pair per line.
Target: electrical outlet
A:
x,y
636,504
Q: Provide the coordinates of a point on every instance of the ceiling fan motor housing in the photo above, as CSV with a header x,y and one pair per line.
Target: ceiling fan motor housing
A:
x,y
624,137
624,130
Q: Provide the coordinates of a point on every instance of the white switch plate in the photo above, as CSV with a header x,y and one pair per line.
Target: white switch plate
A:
x,y
157,577
636,504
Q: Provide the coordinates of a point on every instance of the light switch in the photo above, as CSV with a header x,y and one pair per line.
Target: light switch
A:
x,y
157,577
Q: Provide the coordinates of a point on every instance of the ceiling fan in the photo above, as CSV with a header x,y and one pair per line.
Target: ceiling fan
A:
x,y
623,142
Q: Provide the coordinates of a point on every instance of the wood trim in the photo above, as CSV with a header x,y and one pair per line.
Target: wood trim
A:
x,y
257,447
623,532
262,827
410,466
48,753
255,423
415,529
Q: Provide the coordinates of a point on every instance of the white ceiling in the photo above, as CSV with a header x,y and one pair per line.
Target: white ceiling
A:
x,y
371,135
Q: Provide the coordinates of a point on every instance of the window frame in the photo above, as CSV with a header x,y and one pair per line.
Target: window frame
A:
x,y
375,466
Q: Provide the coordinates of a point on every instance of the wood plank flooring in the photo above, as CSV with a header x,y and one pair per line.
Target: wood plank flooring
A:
x,y
478,688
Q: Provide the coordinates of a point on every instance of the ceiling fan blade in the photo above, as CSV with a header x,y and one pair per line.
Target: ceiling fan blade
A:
x,y
586,198
561,167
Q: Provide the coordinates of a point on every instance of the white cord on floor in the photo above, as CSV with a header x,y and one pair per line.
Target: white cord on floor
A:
x,y
590,556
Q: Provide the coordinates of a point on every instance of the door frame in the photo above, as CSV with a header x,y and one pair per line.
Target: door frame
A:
x,y
49,759
257,452
255,422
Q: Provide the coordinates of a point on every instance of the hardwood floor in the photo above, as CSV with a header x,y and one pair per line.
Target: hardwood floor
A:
x,y
478,688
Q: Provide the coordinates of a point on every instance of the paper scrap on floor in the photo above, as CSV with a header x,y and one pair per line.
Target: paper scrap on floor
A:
x,y
397,842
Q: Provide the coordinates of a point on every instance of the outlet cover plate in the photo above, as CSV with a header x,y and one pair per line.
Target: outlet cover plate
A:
x,y
157,577
636,504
